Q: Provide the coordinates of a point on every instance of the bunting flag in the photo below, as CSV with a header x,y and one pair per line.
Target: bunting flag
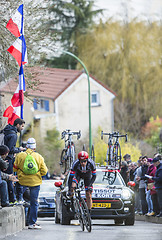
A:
x,y
12,114
18,97
18,50
16,109
15,24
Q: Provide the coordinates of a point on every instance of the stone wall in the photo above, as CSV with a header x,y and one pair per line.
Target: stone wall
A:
x,y
12,220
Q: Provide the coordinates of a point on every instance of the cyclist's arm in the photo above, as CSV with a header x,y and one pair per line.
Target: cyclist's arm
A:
x,y
72,173
93,169
93,177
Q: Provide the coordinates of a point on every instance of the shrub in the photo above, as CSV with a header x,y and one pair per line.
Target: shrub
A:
x,y
151,131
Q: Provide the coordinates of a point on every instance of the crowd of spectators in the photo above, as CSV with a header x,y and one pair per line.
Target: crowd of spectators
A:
x,y
146,173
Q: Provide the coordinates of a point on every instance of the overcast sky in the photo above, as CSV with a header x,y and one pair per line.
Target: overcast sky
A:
x,y
145,9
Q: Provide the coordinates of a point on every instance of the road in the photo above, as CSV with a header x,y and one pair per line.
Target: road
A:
x,y
101,229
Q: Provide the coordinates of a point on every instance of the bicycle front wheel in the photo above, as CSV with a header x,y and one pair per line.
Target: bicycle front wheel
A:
x,y
79,214
63,161
86,215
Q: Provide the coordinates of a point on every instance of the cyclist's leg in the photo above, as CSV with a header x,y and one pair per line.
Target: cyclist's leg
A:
x,y
89,199
88,192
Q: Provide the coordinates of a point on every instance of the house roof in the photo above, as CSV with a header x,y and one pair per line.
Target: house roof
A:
x,y
53,81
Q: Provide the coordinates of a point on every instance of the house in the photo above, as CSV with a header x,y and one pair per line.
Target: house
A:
x,y
62,101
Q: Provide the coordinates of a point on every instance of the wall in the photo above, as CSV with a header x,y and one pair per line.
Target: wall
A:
x,y
12,220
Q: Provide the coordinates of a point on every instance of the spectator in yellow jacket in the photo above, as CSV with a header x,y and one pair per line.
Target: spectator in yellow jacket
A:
x,y
33,181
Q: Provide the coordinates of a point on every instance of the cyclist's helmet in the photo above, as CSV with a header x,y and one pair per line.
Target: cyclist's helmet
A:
x,y
82,155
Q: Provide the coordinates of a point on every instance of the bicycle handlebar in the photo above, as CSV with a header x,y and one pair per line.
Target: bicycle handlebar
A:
x,y
114,134
79,188
124,135
68,132
108,134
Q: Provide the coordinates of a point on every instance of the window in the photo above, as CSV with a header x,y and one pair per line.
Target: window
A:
x,y
40,104
95,99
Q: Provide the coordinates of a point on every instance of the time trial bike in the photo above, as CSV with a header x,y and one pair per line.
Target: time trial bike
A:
x,y
81,210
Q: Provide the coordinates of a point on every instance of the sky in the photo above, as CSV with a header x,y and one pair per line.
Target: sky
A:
x,y
144,9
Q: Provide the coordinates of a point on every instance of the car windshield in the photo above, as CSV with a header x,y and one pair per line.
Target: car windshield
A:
x,y
47,186
105,177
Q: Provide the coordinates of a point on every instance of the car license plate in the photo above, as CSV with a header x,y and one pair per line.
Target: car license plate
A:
x,y
101,205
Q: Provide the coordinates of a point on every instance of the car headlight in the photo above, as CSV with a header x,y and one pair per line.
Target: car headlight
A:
x,y
126,194
41,199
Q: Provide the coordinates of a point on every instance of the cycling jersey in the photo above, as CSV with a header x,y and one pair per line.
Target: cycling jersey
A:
x,y
88,174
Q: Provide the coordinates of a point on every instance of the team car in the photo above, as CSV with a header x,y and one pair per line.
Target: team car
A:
x,y
111,199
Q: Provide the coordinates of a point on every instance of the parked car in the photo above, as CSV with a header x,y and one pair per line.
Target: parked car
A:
x,y
47,199
111,199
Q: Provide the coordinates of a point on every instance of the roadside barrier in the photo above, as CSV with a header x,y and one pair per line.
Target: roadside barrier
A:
x,y
148,219
12,220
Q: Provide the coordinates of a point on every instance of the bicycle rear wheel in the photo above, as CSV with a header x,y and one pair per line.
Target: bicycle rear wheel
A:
x,y
86,215
116,163
114,160
63,161
79,213
119,157
71,156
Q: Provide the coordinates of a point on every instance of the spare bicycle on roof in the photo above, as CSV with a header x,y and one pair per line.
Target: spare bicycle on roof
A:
x,y
68,153
113,155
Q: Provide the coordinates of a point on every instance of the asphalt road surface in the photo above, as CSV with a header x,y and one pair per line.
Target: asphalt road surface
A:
x,y
101,229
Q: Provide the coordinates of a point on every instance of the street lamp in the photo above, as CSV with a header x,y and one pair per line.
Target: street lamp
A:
x,y
89,98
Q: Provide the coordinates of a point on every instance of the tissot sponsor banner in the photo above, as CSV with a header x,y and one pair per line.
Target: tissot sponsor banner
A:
x,y
106,193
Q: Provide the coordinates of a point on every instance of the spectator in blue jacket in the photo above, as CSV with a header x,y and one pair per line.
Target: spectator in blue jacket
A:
x,y
158,181
4,150
10,139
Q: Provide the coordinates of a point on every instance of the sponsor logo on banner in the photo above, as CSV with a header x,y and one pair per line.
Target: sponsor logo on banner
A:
x,y
106,193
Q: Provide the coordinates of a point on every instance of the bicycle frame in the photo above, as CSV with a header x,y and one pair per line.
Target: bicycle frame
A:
x,y
82,210
68,153
117,149
109,154
113,155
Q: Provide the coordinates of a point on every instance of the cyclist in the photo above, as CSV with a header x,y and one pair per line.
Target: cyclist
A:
x,y
83,168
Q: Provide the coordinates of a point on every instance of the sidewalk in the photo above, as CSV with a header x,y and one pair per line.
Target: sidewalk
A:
x,y
148,219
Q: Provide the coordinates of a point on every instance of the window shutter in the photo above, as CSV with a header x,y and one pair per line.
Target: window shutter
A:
x,y
46,104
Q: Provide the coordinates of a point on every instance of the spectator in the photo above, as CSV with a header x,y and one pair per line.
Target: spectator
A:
x,y
140,177
55,176
10,140
136,189
148,190
150,185
158,180
46,177
124,171
127,158
132,169
32,181
4,150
